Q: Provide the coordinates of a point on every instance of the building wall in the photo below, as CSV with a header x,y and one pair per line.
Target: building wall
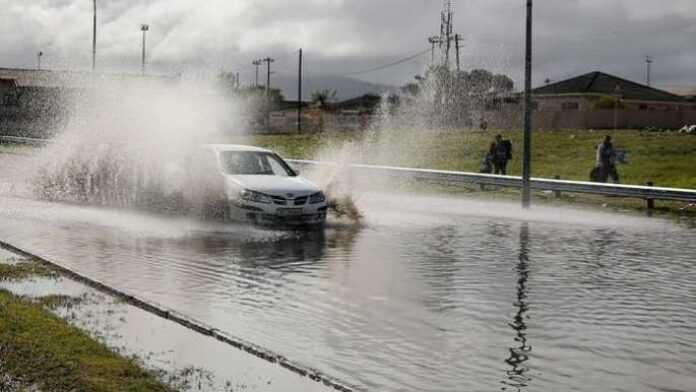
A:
x,y
580,112
33,111
594,119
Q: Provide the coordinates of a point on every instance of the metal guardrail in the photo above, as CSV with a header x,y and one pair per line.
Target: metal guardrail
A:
x,y
648,193
24,140
542,184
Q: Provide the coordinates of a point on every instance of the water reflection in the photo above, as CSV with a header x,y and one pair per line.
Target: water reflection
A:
x,y
518,375
403,305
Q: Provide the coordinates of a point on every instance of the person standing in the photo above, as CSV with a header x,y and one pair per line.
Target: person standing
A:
x,y
487,162
503,153
606,161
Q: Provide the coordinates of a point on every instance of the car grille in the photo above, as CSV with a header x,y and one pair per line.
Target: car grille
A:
x,y
281,201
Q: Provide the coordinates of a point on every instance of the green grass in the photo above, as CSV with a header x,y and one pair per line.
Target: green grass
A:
x,y
666,159
39,348
24,270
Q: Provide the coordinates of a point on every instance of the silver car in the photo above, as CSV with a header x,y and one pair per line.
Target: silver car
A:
x,y
254,184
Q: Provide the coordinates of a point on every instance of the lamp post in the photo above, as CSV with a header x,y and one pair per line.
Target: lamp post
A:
x,y
144,28
617,102
38,58
526,164
94,35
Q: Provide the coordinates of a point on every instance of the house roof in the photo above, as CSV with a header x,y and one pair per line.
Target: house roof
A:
x,y
291,105
366,101
605,84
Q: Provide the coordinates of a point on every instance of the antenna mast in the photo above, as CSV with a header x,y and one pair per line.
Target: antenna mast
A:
x,y
446,29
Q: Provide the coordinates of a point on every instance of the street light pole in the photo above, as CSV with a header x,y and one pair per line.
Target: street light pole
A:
x,y
144,28
617,103
94,35
299,93
268,62
526,164
257,63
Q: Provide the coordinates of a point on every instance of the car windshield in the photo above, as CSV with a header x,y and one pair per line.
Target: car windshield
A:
x,y
254,163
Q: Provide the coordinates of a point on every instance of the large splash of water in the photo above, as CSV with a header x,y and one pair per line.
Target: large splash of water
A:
x,y
125,144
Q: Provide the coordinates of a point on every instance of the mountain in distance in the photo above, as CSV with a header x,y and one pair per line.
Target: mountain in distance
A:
x,y
345,87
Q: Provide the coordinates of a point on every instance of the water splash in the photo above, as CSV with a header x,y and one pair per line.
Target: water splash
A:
x,y
126,145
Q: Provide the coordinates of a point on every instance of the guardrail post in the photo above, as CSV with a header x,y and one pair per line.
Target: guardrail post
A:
x,y
557,193
651,202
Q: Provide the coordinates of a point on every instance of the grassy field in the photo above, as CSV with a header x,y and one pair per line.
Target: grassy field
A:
x,y
43,350
666,159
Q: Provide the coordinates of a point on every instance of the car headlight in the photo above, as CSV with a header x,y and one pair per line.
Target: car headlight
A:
x,y
256,197
316,198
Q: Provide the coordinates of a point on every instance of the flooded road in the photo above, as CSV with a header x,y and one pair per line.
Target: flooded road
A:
x,y
433,293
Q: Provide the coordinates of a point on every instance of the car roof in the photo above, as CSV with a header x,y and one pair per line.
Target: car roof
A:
x,y
234,147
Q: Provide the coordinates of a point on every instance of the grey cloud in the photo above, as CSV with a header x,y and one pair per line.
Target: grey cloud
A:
x,y
339,36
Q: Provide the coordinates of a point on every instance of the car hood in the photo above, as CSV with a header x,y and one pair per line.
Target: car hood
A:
x,y
274,185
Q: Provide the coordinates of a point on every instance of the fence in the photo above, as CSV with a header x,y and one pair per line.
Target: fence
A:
x,y
648,192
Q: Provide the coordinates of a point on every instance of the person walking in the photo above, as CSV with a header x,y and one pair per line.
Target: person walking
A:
x,y
503,153
606,161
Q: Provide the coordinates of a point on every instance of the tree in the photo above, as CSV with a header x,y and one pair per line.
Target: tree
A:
x,y
323,96
411,89
457,97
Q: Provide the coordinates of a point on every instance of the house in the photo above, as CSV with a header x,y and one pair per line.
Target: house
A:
x,y
590,91
595,100
349,115
368,103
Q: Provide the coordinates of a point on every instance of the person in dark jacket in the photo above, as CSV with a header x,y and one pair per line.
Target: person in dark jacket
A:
x,y
503,153
487,162
606,161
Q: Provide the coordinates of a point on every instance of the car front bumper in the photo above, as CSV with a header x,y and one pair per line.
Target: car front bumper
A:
x,y
269,214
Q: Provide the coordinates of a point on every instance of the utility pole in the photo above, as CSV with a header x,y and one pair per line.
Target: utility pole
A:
x,y
457,38
527,154
257,63
38,57
434,40
299,93
94,35
268,62
648,62
144,28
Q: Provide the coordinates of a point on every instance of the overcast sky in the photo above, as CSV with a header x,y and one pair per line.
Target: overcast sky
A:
x,y
341,36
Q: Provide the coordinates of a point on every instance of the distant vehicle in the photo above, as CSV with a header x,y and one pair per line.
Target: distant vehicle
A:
x,y
246,183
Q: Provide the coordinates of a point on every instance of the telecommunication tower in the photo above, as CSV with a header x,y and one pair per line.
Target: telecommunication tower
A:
x,y
446,29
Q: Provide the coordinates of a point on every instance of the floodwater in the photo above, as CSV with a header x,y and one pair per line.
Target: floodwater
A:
x,y
433,293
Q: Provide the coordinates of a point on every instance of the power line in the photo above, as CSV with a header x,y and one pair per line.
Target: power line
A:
x,y
385,66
